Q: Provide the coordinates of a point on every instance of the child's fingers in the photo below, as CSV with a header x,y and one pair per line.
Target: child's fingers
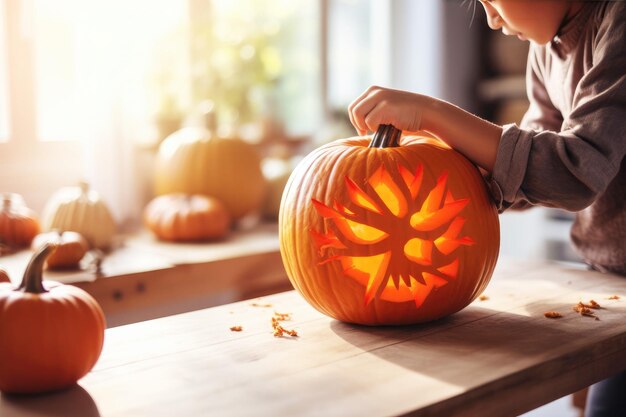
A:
x,y
358,114
373,118
357,110
355,124
370,90
355,119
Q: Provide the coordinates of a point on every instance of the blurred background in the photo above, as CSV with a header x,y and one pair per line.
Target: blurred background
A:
x,y
89,90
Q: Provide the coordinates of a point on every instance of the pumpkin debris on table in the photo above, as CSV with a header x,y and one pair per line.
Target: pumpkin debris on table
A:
x,y
614,297
279,330
553,314
586,309
483,297
282,316
260,304
236,328
592,304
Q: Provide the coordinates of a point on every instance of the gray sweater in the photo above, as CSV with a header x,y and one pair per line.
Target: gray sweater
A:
x,y
569,151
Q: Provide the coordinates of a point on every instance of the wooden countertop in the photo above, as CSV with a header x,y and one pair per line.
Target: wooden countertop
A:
x,y
145,278
499,356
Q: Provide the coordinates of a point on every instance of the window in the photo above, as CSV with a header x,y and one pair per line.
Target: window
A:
x,y
90,88
350,59
54,30
257,59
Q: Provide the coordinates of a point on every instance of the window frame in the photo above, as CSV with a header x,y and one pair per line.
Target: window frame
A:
x,y
23,157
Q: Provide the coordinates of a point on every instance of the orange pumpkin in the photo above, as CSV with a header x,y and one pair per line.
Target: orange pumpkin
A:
x,y
398,231
50,334
18,223
187,218
196,161
71,247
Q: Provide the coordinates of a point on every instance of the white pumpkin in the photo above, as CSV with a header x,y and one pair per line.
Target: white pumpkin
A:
x,y
79,209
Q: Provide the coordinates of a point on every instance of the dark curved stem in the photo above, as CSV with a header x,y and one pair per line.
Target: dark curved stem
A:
x,y
33,276
387,136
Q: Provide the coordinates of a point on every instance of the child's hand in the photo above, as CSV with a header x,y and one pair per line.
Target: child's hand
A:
x,y
472,136
379,105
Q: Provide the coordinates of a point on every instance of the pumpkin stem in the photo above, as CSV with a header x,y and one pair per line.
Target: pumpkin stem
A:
x,y
84,187
387,136
6,201
33,276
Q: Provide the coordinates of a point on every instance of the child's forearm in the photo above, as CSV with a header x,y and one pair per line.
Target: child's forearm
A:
x,y
470,135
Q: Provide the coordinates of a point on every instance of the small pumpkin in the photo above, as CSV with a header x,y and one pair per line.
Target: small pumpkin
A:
x,y
186,218
51,334
71,247
194,160
18,223
82,210
395,230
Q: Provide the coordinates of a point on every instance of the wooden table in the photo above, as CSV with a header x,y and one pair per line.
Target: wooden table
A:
x,y
499,356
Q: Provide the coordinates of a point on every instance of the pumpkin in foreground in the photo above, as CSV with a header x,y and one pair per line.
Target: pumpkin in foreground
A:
x,y
51,334
398,231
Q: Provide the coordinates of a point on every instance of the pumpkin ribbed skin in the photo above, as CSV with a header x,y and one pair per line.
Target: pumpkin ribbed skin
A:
x,y
18,223
342,190
186,218
79,209
49,338
193,161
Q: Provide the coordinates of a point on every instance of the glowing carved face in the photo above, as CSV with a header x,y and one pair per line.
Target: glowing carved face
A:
x,y
397,242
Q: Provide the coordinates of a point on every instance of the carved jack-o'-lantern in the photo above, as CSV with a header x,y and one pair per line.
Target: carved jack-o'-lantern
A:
x,y
386,234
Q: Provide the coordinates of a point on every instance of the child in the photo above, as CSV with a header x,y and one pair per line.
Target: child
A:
x,y
569,150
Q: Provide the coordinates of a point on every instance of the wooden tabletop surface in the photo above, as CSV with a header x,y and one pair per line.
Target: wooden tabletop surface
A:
x,y
499,356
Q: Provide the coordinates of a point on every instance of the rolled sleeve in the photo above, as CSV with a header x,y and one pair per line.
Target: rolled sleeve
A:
x,y
509,170
572,141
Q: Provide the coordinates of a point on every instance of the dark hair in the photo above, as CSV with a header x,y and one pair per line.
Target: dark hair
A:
x,y
471,5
